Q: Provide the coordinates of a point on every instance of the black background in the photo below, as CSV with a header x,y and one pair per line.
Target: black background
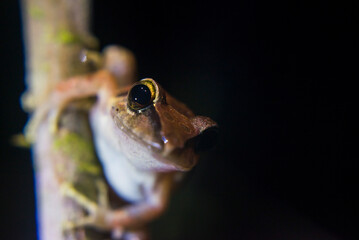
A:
x,y
279,79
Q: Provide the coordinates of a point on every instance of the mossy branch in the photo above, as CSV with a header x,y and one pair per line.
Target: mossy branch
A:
x,y
55,34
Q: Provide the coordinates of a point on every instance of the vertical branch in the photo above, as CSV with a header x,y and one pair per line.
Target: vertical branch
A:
x,y
55,32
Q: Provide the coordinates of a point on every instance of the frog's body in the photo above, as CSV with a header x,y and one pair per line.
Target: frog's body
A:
x,y
142,137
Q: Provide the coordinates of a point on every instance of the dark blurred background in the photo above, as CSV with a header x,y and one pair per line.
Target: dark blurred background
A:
x,y
279,79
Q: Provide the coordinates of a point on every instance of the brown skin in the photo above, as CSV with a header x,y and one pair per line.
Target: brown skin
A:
x,y
165,126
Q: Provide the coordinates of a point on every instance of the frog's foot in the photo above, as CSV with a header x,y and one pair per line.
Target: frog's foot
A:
x,y
98,212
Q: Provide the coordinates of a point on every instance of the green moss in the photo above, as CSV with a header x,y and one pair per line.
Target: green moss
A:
x,y
79,150
67,37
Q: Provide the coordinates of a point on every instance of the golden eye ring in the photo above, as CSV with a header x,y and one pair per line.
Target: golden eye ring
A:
x,y
142,94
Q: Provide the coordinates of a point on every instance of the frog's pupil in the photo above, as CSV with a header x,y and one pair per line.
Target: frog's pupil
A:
x,y
140,94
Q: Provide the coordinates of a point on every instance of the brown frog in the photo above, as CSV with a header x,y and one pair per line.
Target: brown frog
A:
x,y
143,138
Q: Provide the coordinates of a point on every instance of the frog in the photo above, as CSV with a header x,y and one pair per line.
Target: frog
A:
x,y
145,140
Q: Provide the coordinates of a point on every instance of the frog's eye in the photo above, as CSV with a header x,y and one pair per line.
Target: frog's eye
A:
x,y
142,94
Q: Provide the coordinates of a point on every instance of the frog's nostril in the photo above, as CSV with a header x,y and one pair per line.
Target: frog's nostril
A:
x,y
206,140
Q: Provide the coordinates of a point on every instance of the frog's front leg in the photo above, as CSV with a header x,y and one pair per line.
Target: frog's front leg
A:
x,y
138,213
101,84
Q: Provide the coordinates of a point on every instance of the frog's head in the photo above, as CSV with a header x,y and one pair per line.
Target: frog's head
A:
x,y
161,129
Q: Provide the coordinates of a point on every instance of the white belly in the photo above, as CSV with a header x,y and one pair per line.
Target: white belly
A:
x,y
127,181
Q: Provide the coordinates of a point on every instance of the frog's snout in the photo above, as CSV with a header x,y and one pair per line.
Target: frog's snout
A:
x,y
206,140
184,158
180,132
